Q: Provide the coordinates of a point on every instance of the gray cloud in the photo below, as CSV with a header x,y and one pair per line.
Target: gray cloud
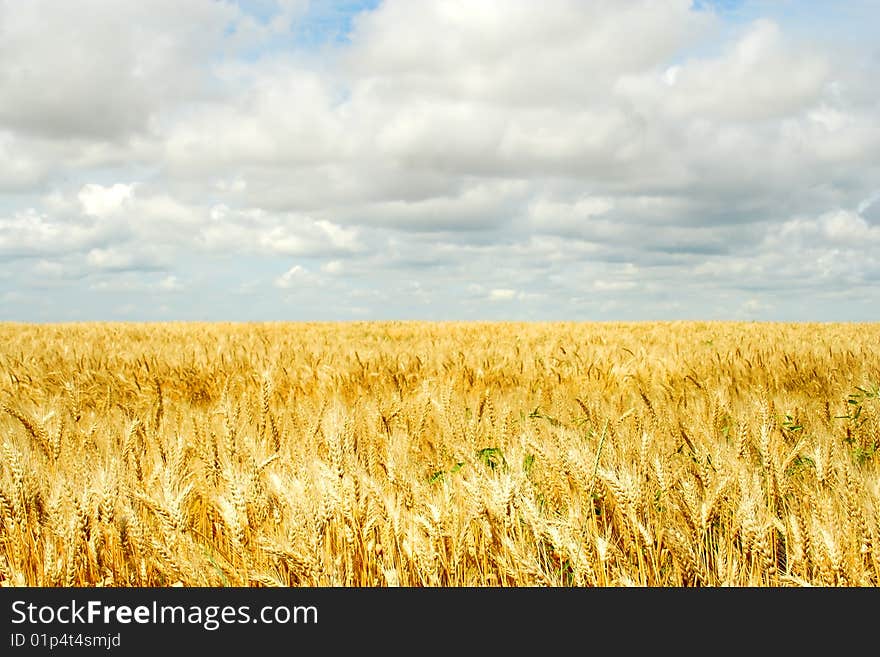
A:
x,y
98,69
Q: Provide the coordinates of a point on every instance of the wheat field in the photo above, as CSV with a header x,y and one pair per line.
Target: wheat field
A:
x,y
440,454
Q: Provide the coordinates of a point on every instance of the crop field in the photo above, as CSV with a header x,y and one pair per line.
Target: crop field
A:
x,y
440,454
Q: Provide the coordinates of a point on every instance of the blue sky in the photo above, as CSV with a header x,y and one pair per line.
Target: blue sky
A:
x,y
312,25
440,159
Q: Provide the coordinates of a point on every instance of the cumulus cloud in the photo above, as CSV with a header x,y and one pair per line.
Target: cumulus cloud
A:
x,y
123,259
100,201
129,283
590,159
285,234
839,228
613,286
30,233
295,277
751,68
502,294
170,284
333,267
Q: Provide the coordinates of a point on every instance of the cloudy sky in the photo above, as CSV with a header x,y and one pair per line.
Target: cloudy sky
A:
x,y
439,159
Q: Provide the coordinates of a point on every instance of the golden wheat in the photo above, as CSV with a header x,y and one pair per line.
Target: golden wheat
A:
x,y
439,454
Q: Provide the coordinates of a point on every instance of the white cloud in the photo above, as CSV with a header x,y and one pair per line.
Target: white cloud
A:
x,y
136,282
728,269
544,211
868,203
753,307
833,120
258,231
835,228
613,286
49,269
99,201
32,233
296,277
233,185
763,77
507,294
502,294
170,284
302,235
282,115
491,150
118,259
334,267
509,52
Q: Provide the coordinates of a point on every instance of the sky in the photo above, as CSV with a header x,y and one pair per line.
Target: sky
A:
x,y
576,160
